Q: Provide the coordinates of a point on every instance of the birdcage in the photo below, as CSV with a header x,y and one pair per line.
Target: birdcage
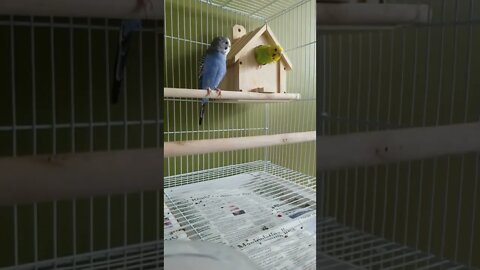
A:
x,y
398,163
383,82
399,112
248,171
73,193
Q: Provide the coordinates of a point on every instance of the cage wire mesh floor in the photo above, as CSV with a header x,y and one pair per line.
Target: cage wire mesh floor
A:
x,y
140,256
259,208
194,210
368,251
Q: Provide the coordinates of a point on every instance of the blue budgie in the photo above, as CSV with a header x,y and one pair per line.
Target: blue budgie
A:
x,y
126,30
213,67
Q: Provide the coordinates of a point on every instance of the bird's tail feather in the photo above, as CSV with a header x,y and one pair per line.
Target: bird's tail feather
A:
x,y
202,110
202,113
120,63
126,30
117,84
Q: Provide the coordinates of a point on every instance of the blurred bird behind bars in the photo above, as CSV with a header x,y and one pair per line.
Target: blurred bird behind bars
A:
x,y
57,74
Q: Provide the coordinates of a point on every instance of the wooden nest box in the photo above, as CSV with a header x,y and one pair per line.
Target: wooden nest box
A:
x,y
244,73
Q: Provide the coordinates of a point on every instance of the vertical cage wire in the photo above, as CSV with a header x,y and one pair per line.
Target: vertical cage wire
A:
x,y
45,49
299,41
58,73
190,25
412,76
184,47
277,171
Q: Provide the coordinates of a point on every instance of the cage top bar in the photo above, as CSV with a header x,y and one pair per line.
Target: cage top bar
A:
x,y
261,10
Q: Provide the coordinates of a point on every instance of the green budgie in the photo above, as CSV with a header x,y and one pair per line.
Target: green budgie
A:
x,y
265,54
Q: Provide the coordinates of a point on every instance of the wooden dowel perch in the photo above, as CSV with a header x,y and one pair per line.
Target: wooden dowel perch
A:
x,y
33,179
369,14
369,148
44,178
84,8
172,149
228,95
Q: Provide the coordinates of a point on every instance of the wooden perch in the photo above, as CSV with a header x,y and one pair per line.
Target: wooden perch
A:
x,y
181,148
42,178
369,148
228,95
333,15
86,8
249,101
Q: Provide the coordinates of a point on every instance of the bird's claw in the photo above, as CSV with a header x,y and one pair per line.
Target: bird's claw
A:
x,y
208,91
219,91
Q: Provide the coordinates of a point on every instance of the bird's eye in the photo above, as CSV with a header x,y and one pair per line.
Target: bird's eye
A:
x,y
275,49
226,42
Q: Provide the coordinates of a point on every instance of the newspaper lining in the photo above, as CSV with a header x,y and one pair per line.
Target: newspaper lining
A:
x,y
171,228
263,219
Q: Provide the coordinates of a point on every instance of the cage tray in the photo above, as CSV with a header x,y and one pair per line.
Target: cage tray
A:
x,y
270,219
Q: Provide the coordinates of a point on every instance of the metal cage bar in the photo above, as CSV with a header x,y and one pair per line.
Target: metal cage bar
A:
x,y
410,76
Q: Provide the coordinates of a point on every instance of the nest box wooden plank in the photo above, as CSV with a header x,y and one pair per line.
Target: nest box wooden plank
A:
x,y
243,71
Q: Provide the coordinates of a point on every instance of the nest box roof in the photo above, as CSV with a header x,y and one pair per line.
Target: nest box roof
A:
x,y
239,46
